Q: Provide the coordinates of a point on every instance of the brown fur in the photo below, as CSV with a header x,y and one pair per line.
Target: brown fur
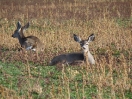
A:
x,y
29,42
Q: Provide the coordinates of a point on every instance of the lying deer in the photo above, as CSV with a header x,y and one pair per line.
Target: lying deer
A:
x,y
72,58
29,42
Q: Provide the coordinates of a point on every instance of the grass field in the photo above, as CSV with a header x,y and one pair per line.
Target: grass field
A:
x,y
24,76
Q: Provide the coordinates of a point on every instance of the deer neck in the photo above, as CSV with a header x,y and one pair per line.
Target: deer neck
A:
x,y
88,57
21,33
20,38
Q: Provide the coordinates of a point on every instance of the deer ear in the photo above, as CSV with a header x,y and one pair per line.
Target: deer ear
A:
x,y
91,38
26,26
18,25
76,38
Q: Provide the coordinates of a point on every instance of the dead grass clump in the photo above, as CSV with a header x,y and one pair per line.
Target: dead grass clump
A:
x,y
6,93
54,23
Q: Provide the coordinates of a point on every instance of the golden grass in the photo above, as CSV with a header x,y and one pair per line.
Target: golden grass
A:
x,y
55,24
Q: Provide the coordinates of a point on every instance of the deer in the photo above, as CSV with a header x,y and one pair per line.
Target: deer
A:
x,y
73,58
30,42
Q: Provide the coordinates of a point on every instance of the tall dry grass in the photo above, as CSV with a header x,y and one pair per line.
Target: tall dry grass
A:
x,y
55,22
